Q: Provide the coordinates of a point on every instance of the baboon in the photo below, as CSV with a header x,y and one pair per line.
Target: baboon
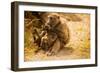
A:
x,y
57,35
48,40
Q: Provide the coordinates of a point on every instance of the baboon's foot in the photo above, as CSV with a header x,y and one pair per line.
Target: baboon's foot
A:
x,y
50,53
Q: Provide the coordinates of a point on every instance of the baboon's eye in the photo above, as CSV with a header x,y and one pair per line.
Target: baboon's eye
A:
x,y
50,17
58,17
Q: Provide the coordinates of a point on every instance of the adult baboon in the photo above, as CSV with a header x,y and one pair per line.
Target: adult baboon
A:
x,y
57,34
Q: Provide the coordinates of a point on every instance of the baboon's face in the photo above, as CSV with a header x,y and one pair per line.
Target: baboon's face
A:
x,y
51,21
45,38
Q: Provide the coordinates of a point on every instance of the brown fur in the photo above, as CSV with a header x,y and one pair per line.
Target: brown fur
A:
x,y
57,34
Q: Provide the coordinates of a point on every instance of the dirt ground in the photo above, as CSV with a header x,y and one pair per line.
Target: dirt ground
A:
x,y
64,54
78,46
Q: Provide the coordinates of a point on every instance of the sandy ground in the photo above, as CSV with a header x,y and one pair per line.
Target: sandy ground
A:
x,y
64,54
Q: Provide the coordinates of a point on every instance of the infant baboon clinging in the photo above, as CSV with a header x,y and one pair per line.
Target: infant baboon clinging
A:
x,y
56,35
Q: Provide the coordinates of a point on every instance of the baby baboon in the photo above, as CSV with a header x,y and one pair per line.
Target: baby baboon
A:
x,y
48,40
57,34
44,42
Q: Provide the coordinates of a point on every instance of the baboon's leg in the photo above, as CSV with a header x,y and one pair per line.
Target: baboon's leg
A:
x,y
49,51
55,48
61,46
